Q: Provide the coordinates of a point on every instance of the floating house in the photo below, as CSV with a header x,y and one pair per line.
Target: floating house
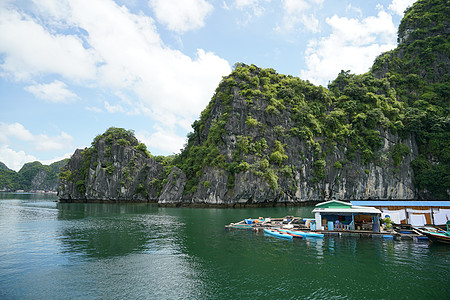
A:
x,y
415,213
338,215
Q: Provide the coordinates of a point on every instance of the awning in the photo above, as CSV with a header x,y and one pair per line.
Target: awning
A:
x,y
353,209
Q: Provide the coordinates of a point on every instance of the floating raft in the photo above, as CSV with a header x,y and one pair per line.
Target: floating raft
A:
x,y
298,227
287,222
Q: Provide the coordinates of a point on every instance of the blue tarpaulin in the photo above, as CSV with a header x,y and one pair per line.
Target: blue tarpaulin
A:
x,y
400,203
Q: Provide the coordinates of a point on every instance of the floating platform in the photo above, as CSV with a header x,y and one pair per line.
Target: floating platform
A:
x,y
287,222
297,223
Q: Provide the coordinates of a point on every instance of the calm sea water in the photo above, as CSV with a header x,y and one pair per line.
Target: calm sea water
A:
x,y
50,250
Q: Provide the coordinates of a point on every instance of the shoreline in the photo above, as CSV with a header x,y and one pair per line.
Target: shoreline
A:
x,y
195,205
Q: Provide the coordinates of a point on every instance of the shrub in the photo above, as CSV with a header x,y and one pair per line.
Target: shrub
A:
x,y
252,122
123,142
337,165
66,175
272,179
398,153
141,147
244,166
110,168
319,168
270,109
81,186
277,157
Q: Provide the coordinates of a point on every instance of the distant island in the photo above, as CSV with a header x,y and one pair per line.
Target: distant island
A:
x,y
32,176
267,138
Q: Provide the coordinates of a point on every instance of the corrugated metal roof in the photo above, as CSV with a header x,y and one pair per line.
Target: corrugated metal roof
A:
x,y
349,210
400,203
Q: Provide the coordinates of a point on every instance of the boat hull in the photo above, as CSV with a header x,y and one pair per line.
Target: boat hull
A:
x,y
437,237
305,234
278,234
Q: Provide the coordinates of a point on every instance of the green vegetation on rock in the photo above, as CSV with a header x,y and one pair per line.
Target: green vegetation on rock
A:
x,y
116,166
405,93
265,134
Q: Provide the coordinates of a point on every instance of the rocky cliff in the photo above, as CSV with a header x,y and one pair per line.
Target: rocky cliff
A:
x,y
115,168
268,138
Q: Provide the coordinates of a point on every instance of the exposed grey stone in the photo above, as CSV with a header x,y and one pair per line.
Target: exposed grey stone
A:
x,y
173,190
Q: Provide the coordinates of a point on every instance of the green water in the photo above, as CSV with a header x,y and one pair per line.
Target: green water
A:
x,y
50,250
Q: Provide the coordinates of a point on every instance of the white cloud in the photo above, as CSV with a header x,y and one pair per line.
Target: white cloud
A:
x,y
181,15
165,140
93,109
169,85
55,159
30,49
113,49
240,4
113,108
172,103
399,6
14,160
40,142
251,8
355,9
299,12
296,6
44,142
15,130
56,92
352,45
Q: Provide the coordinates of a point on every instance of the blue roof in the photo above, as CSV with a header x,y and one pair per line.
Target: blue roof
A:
x,y
400,203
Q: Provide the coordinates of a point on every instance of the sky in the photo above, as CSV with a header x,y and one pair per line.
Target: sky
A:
x,y
70,69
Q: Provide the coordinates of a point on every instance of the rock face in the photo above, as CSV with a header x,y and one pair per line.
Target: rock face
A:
x,y
270,162
173,189
270,138
267,138
115,168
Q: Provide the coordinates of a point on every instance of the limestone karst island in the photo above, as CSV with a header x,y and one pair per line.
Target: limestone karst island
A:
x,y
283,189
267,138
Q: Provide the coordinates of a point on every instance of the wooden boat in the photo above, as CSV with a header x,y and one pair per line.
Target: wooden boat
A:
x,y
239,226
303,233
254,221
438,237
278,234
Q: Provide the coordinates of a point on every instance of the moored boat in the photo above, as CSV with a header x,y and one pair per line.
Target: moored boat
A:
x,y
304,233
254,221
438,237
278,234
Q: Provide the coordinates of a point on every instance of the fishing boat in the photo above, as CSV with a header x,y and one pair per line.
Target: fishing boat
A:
x,y
254,221
278,234
303,233
438,237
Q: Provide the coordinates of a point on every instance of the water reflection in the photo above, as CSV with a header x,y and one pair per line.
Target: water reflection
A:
x,y
104,230
141,251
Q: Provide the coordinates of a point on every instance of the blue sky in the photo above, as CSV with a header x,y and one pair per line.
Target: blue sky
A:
x,y
71,69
